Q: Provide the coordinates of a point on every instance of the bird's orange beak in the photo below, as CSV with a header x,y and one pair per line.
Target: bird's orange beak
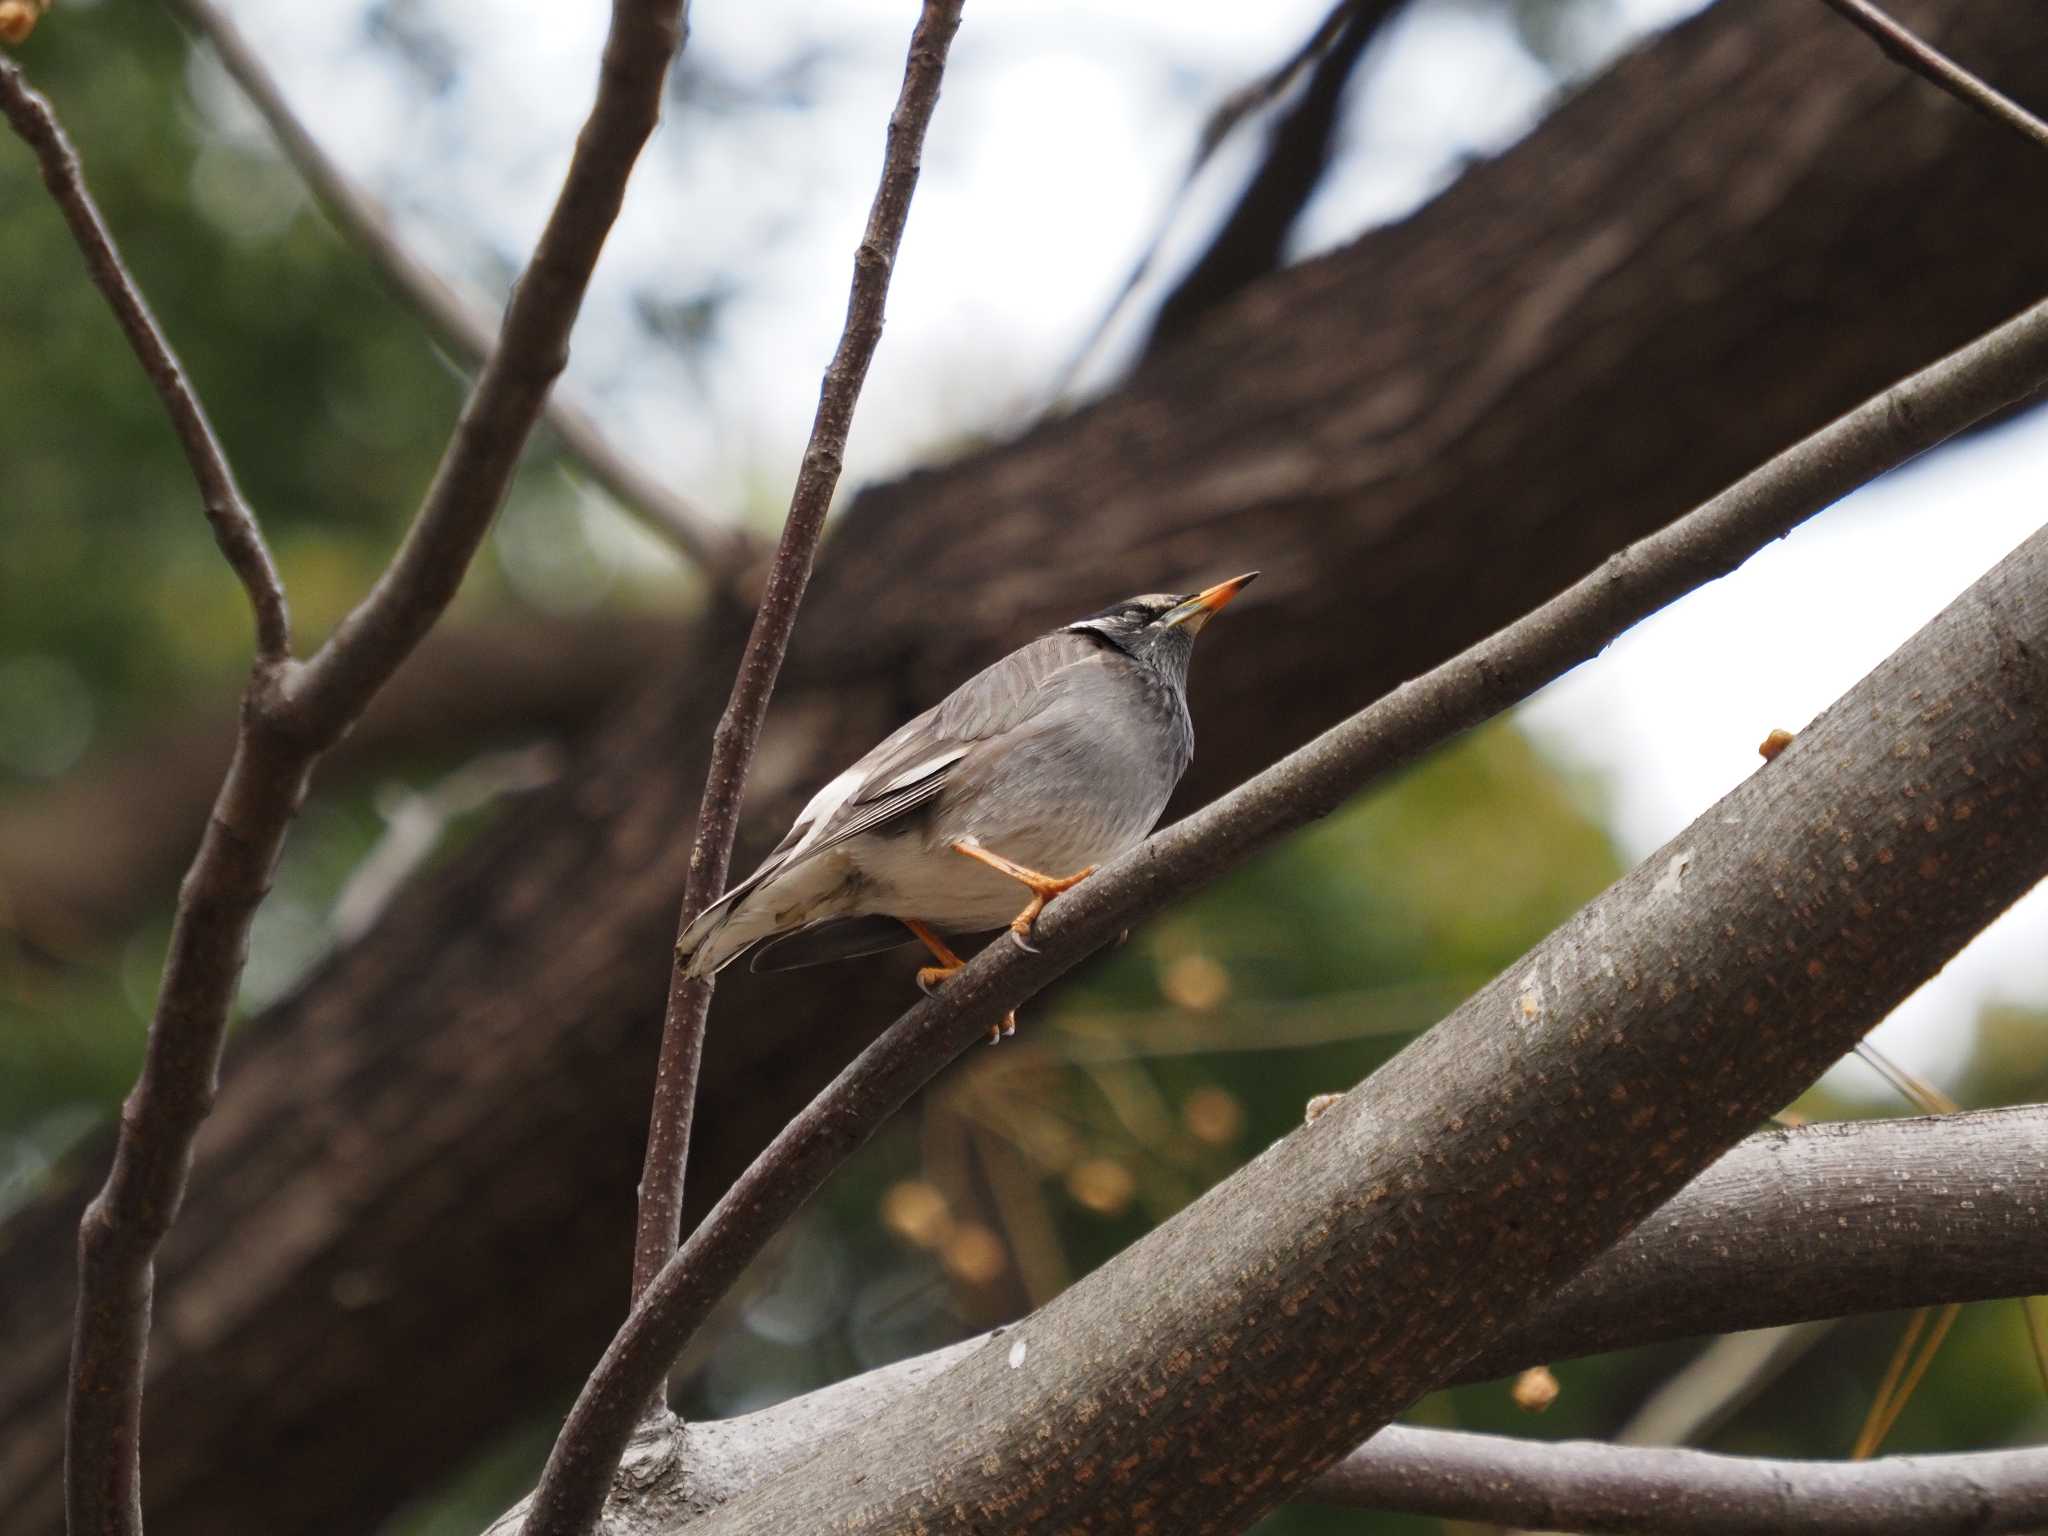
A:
x,y
1198,610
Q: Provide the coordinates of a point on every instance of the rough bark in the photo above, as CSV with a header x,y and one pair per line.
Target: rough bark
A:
x,y
430,1153
1331,1282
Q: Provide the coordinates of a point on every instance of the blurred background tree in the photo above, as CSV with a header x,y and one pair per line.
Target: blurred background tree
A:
x,y
1167,1063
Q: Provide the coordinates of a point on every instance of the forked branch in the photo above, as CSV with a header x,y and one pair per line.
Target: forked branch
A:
x,y
291,713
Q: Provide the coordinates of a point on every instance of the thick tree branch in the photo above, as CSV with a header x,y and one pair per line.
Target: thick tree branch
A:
x,y
1668,1491
290,714
1897,42
722,551
739,728
1792,1225
234,525
531,351
1906,420
1560,353
1328,1284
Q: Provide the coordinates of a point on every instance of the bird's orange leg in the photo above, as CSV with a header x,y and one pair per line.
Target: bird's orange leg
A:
x,y
933,975
1042,887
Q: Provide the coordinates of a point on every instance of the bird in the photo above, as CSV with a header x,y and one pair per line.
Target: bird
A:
x,y
1061,756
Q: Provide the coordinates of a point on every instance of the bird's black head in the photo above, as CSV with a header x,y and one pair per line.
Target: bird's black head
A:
x,y
1159,628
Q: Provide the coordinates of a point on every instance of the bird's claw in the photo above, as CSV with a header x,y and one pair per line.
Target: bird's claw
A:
x,y
1017,938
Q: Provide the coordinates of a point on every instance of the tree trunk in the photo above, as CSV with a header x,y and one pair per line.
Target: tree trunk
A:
x,y
411,1210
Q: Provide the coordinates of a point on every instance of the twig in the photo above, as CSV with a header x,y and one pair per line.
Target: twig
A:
x,y
234,525
291,714
512,388
1911,417
739,728
723,551
1249,241
1228,115
1661,1491
1924,59
1718,1382
1902,1378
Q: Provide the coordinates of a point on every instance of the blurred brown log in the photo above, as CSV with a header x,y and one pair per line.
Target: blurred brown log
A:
x,y
82,859
411,1211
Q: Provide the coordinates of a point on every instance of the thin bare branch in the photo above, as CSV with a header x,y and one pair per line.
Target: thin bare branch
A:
x,y
511,390
1228,115
291,714
739,728
725,552
1911,417
1662,1491
1924,59
234,525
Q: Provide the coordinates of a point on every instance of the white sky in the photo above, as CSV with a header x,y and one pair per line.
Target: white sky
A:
x,y
1062,133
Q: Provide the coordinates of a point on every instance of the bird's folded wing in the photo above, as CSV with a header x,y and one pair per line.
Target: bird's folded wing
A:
x,y
836,938
866,810
910,768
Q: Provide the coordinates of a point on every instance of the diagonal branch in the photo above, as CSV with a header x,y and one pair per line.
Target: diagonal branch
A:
x,y
739,728
1670,1491
1906,420
1332,1281
724,552
291,714
234,525
511,390
1923,58
1791,1226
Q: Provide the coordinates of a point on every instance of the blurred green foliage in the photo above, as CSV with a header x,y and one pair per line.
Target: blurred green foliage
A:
x,y
330,401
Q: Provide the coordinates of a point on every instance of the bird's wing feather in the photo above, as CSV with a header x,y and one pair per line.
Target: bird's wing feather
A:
x,y
911,766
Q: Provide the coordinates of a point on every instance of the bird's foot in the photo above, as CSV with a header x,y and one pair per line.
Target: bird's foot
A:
x,y
1042,887
933,976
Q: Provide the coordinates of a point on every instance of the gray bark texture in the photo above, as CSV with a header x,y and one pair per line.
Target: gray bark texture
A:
x,y
430,1152
1901,1213
1363,1260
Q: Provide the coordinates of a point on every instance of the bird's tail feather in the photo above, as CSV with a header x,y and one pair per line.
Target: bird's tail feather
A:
x,y
715,938
722,931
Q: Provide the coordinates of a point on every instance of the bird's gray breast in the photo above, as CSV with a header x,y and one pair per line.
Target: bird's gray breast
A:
x,y
1085,778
